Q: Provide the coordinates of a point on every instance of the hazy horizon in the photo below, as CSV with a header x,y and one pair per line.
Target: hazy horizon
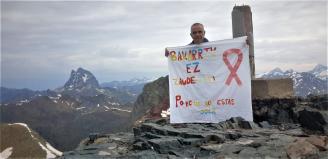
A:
x,y
41,42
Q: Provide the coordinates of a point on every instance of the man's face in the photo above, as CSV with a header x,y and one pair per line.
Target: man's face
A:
x,y
197,33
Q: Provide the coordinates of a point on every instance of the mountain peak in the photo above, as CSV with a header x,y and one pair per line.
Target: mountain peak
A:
x,y
81,78
275,72
319,68
80,69
320,71
277,69
289,70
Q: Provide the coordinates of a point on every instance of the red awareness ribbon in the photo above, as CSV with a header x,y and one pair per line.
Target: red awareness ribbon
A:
x,y
233,70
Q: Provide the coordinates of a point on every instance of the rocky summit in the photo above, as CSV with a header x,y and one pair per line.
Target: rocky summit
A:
x,y
282,128
234,138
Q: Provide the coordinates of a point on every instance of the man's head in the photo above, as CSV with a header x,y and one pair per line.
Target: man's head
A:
x,y
197,33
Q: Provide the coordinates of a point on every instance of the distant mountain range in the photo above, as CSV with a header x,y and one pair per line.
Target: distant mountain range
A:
x,y
312,82
132,82
133,87
70,113
12,95
84,87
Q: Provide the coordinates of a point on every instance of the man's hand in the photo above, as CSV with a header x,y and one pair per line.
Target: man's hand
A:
x,y
166,52
249,40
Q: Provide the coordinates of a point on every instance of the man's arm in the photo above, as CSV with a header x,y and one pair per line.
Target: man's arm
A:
x,y
166,52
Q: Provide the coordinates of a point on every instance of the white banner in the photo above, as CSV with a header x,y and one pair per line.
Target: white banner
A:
x,y
210,82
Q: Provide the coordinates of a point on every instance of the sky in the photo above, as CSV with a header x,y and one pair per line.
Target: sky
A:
x,y
42,41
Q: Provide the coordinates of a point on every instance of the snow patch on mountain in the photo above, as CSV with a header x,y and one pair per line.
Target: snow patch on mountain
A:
x,y
113,103
79,108
22,102
6,153
49,153
85,78
118,109
25,125
53,150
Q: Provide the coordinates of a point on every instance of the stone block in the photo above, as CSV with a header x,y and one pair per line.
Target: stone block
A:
x,y
272,88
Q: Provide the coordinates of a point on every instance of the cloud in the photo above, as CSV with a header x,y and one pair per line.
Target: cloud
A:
x,y
119,40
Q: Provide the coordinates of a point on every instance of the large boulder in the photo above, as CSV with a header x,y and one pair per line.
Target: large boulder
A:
x,y
275,111
312,114
314,121
151,102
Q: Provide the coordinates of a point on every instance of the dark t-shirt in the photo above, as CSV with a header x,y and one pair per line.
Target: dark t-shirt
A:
x,y
205,40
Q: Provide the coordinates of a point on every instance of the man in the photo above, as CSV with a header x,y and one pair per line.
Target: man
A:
x,y
197,34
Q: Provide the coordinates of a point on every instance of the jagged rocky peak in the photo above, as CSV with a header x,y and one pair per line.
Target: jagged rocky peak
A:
x,y
81,78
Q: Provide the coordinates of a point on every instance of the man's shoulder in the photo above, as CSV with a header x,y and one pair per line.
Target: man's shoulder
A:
x,y
204,41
